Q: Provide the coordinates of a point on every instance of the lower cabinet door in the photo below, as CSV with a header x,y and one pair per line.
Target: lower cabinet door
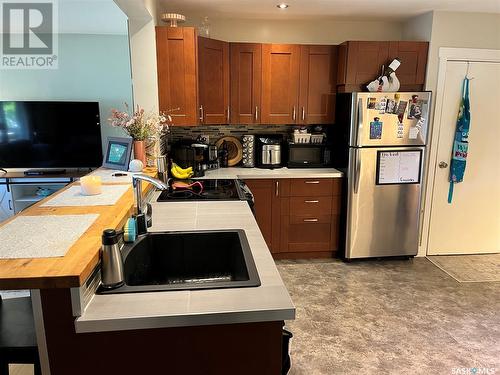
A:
x,y
266,208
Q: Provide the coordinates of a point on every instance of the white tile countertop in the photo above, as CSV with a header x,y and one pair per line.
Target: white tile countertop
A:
x,y
268,302
254,173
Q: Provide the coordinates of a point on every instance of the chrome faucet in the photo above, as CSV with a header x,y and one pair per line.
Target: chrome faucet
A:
x,y
138,201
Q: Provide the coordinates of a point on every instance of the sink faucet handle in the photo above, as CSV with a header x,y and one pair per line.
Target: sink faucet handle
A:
x,y
142,223
141,212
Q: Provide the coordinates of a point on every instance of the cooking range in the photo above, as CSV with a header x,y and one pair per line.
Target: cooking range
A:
x,y
207,190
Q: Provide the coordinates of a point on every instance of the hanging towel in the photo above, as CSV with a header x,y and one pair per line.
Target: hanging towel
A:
x,y
461,141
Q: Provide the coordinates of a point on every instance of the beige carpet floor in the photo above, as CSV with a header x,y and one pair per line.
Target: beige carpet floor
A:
x,y
390,317
469,268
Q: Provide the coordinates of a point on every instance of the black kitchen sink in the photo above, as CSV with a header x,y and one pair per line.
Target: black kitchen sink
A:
x,y
187,261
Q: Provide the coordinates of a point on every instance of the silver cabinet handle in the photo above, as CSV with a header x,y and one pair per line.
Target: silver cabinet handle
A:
x,y
312,182
315,201
10,207
443,164
311,220
228,114
201,113
277,190
294,114
303,114
256,113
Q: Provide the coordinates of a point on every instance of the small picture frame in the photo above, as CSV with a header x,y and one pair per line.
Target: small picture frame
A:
x,y
118,153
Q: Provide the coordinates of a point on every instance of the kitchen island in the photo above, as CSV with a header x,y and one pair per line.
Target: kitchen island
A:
x,y
219,331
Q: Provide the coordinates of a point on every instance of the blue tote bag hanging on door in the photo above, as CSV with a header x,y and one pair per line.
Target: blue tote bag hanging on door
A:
x,y
461,141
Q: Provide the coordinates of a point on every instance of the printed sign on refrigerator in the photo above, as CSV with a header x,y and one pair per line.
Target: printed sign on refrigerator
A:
x,y
398,167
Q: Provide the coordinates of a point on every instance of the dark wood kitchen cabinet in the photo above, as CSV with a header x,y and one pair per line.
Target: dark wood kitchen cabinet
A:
x,y
246,82
299,218
413,56
267,208
318,71
213,81
298,84
309,218
360,62
280,83
177,75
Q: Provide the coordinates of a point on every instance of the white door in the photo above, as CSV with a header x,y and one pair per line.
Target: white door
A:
x,y
471,223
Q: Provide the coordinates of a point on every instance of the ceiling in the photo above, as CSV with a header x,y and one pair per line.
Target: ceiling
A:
x,y
307,9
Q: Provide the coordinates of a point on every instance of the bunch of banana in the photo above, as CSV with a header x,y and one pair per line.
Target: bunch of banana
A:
x,y
181,173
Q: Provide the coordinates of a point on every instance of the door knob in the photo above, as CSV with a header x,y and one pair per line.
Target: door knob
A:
x,y
443,164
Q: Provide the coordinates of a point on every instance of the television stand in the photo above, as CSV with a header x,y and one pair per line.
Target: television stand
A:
x,y
43,172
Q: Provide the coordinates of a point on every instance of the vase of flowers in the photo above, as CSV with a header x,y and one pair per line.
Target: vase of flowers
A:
x,y
140,151
145,128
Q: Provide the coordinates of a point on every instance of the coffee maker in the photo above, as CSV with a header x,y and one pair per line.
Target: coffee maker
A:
x,y
268,150
200,159
188,153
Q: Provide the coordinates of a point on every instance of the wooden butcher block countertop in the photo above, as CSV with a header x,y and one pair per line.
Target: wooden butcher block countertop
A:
x,y
76,266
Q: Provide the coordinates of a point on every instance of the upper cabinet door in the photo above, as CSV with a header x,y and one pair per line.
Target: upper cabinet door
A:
x,y
213,66
362,62
280,83
246,82
318,70
176,61
413,56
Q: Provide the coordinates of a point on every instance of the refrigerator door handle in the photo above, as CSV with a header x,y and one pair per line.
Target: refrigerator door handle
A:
x,y
357,161
360,121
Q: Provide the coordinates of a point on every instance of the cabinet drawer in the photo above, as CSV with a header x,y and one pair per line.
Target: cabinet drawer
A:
x,y
309,237
310,206
303,187
308,220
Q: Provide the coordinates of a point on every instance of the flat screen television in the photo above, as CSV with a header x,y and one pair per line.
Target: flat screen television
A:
x,y
55,134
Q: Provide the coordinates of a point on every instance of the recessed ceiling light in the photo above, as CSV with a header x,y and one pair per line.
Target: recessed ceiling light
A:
x,y
282,6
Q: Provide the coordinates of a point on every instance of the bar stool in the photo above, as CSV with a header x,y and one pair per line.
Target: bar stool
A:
x,y
17,334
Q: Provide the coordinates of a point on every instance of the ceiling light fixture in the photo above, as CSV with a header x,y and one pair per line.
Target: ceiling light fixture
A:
x,y
282,6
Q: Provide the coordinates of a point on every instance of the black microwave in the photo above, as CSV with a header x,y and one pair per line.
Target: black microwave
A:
x,y
308,155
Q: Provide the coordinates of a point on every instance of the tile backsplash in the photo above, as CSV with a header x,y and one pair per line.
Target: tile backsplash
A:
x,y
216,131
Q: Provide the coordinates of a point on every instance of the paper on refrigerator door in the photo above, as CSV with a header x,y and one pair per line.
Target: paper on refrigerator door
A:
x,y
398,167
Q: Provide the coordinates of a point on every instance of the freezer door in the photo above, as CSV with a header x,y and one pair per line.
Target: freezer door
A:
x,y
376,121
382,220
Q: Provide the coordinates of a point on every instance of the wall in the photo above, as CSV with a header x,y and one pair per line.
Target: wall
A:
x,y
143,58
214,132
91,67
464,30
418,28
326,31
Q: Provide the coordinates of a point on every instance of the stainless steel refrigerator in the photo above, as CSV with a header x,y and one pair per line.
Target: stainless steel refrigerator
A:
x,y
380,143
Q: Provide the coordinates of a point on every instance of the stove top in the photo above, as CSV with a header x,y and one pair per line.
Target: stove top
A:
x,y
215,189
